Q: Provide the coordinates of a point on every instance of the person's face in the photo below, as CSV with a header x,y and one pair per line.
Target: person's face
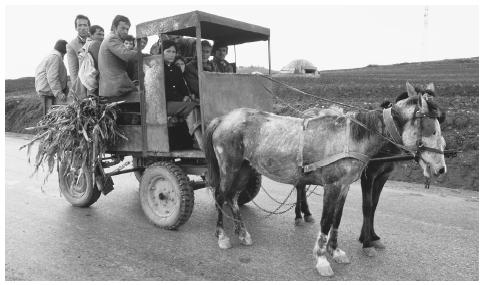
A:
x,y
181,64
205,53
142,43
98,35
169,54
221,53
82,27
122,29
128,44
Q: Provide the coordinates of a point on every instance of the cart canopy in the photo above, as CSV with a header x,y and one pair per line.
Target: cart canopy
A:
x,y
213,27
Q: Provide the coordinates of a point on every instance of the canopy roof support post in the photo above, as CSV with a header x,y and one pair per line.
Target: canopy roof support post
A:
x,y
142,96
269,59
199,63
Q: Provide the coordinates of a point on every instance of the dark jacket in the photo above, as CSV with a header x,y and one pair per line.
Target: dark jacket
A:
x,y
113,59
222,66
175,86
191,75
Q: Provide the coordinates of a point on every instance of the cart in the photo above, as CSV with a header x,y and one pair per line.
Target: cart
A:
x,y
165,189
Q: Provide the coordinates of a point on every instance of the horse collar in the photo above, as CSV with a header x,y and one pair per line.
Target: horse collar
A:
x,y
391,126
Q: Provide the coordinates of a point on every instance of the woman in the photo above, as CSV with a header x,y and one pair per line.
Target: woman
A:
x,y
177,95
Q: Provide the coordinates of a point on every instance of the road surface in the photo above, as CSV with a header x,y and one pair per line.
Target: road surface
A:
x,y
429,234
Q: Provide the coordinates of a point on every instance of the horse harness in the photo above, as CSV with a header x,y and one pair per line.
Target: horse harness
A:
x,y
333,158
394,137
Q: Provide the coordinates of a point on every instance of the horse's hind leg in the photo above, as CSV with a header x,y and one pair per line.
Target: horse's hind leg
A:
x,y
320,249
298,204
332,246
240,185
301,206
376,193
223,239
305,207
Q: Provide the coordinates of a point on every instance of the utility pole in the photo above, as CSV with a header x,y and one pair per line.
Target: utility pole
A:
x,y
424,47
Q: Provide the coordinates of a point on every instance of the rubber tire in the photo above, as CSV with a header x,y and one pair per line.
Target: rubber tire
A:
x,y
252,190
170,172
91,193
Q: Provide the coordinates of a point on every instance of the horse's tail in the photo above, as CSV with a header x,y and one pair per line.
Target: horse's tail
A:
x,y
213,175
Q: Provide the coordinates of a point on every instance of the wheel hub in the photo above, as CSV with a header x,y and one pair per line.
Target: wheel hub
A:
x,y
163,198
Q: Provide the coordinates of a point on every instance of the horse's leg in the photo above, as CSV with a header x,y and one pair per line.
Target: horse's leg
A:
x,y
367,179
376,193
223,239
240,185
332,246
330,197
229,168
298,204
305,207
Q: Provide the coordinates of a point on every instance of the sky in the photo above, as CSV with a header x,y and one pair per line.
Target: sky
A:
x,y
329,36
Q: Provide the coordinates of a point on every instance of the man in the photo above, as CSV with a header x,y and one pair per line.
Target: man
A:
x,y
191,69
82,24
51,76
220,50
97,36
113,60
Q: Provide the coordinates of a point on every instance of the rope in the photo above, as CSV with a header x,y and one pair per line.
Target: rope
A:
x,y
311,95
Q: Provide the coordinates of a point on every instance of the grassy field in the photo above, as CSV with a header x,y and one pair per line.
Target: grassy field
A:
x,y
457,90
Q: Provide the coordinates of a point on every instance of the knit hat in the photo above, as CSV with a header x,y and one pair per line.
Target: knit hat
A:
x,y
60,46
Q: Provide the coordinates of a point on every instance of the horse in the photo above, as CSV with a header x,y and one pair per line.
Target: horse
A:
x,y
373,178
326,150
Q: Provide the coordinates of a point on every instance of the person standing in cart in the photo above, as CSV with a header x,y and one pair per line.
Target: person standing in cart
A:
x,y
82,25
113,61
178,102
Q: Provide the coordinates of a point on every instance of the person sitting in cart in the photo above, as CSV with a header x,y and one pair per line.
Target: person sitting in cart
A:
x,y
178,103
113,57
191,69
220,50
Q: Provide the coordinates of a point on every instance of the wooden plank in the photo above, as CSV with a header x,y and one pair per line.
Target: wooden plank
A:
x,y
156,116
223,92
134,142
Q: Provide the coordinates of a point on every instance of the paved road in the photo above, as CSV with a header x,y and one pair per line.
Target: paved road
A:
x,y
429,234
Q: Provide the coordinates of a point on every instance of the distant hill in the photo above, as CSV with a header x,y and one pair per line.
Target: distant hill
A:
x,y
20,84
448,70
250,69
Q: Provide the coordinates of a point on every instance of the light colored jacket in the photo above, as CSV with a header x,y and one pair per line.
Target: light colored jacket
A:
x,y
113,59
73,49
51,75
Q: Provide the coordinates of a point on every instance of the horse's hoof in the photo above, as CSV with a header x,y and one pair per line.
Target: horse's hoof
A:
x,y
309,219
369,251
224,242
246,240
340,256
323,267
298,221
377,244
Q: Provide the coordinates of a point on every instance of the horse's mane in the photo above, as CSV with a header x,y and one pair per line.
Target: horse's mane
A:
x,y
370,119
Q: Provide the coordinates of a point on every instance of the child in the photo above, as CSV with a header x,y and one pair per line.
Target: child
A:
x,y
129,42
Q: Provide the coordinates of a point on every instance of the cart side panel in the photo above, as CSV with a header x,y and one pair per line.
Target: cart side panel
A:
x,y
223,92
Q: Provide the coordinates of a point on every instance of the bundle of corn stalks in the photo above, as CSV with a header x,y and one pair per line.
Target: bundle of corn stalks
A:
x,y
75,134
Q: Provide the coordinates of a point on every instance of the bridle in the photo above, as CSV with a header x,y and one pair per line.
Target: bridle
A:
x,y
397,139
420,147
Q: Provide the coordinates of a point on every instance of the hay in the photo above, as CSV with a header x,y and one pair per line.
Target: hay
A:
x,y
75,134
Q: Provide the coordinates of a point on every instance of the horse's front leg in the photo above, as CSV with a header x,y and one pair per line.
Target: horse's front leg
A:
x,y
333,249
320,249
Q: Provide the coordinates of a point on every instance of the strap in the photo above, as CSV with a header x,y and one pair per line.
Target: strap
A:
x,y
391,127
313,166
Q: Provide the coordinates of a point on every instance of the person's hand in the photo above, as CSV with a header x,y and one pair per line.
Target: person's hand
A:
x,y
186,99
62,97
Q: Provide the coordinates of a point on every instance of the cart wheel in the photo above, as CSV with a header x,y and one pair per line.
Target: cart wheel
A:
x,y
138,174
166,195
81,194
252,189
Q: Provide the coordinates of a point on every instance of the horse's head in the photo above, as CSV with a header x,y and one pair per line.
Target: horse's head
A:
x,y
419,118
